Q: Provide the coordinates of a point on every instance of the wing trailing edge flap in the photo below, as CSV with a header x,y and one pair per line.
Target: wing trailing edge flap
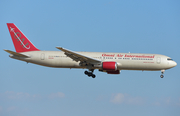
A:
x,y
16,54
79,57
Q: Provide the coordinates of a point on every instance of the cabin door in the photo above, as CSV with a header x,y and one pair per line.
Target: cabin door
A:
x,y
158,60
42,56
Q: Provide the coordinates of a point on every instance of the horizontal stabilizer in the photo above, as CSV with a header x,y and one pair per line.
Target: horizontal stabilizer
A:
x,y
17,54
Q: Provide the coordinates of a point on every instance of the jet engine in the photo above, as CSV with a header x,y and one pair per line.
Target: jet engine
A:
x,y
109,66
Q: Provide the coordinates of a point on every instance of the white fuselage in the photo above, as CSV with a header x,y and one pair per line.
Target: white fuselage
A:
x,y
125,61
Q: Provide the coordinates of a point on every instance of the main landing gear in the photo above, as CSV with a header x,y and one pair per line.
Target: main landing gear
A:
x,y
162,72
90,74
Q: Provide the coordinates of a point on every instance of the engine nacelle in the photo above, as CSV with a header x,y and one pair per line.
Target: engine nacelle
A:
x,y
109,66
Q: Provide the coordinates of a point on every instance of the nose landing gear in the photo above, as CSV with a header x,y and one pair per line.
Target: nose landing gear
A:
x,y
162,72
161,76
90,74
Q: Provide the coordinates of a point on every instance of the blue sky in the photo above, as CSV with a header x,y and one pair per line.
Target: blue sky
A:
x,y
96,26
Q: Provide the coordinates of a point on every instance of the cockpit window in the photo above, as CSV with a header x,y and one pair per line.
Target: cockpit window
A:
x,y
169,59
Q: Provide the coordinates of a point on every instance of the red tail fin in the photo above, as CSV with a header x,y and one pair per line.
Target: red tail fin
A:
x,y
21,42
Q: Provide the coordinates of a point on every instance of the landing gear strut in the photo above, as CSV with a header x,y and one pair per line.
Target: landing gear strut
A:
x,y
162,72
90,74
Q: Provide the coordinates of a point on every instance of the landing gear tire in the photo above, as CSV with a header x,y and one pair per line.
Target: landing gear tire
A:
x,y
86,72
90,74
162,72
162,76
93,76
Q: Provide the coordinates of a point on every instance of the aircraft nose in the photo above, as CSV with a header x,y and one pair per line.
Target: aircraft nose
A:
x,y
173,64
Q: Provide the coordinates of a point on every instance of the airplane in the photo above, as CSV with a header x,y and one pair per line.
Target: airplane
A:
x,y
111,63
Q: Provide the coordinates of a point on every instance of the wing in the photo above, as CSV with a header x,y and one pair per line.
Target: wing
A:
x,y
17,54
79,57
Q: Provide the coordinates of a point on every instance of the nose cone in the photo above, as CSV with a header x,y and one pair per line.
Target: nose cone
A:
x,y
173,64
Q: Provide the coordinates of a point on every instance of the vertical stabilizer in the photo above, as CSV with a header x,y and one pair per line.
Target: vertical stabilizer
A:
x,y
20,41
